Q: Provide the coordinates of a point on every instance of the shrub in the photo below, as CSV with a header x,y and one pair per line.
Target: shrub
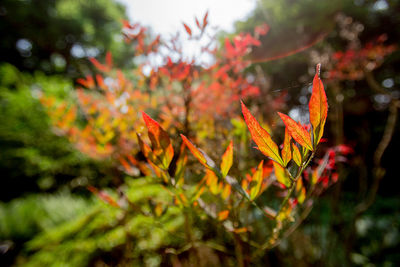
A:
x,y
248,211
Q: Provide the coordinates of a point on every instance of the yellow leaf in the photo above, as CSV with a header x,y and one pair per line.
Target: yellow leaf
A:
x,y
257,179
296,154
227,160
281,175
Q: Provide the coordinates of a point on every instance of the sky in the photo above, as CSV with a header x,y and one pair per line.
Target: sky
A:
x,y
165,17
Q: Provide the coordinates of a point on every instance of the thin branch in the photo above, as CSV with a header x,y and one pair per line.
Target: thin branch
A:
x,y
379,171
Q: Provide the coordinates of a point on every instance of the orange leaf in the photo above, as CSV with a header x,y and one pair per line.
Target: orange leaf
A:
x,y
98,65
125,164
195,151
146,150
182,199
142,166
197,23
318,107
227,160
223,215
82,82
100,82
160,141
109,60
151,159
226,192
240,230
297,131
103,196
188,30
212,182
257,178
261,137
286,152
205,22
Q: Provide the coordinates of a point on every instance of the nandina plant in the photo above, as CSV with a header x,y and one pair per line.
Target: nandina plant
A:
x,y
247,207
192,94
255,207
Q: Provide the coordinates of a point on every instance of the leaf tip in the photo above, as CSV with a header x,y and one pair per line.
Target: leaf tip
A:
x,y
144,115
318,70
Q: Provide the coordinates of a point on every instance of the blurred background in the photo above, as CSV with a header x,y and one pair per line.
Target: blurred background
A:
x,y
45,46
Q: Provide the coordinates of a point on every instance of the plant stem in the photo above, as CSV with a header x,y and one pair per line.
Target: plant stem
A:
x,y
189,238
293,184
239,251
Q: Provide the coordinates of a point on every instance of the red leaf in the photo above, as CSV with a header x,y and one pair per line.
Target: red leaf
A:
x,y
125,23
318,107
188,30
297,131
230,51
88,82
197,23
98,65
82,82
100,82
261,137
205,22
261,29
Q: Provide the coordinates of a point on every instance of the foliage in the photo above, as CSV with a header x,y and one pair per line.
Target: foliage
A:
x,y
18,222
177,89
23,218
357,43
124,234
33,158
177,177
186,91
